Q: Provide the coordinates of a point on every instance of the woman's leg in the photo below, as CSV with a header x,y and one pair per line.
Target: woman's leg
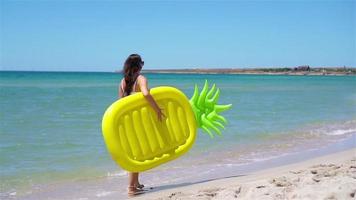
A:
x,y
133,178
133,182
138,185
136,181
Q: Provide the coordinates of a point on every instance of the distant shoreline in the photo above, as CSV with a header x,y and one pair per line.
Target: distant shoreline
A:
x,y
320,71
258,71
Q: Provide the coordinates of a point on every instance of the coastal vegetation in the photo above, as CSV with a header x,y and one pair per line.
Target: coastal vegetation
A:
x,y
299,70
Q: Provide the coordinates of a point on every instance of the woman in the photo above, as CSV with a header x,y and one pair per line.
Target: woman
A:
x,y
134,82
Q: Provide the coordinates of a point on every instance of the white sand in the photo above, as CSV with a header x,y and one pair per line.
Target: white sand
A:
x,y
327,177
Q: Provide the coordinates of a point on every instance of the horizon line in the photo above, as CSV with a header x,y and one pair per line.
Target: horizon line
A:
x,y
172,69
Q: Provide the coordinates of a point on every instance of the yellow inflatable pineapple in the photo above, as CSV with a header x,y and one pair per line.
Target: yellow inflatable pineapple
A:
x,y
137,141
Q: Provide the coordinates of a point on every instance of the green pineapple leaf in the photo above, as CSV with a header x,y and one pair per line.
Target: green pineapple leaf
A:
x,y
206,109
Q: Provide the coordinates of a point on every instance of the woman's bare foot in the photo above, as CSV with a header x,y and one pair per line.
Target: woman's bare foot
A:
x,y
133,190
139,186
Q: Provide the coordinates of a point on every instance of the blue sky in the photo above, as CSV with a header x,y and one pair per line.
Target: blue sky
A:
x,y
99,35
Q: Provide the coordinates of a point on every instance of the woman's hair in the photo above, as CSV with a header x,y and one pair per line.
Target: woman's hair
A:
x,y
133,64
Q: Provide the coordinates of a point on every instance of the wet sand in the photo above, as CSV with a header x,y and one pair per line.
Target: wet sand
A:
x,y
327,177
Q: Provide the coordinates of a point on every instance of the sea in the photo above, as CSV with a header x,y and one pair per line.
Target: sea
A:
x,y
51,143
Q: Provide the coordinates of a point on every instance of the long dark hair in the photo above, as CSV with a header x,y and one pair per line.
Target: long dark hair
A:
x,y
133,64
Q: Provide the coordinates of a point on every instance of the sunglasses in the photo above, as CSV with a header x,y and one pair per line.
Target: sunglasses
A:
x,y
142,63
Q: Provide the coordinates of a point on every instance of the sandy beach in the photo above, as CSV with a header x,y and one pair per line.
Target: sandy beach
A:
x,y
327,177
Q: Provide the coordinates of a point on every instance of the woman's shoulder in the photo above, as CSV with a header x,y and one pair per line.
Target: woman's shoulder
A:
x,y
141,78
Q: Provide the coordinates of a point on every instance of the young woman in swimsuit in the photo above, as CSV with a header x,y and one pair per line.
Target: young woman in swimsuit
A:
x,y
134,82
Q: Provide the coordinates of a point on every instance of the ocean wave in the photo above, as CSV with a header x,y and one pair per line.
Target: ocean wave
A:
x,y
342,132
333,129
275,145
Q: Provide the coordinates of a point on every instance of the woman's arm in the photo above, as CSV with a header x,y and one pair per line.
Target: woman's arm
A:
x,y
142,81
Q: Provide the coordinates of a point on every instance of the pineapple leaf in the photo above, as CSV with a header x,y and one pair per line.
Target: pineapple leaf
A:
x,y
206,109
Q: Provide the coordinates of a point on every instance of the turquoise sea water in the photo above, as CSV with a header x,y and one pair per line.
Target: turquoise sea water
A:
x,y
50,123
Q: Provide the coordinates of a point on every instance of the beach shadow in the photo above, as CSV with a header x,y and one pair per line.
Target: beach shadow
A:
x,y
171,186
